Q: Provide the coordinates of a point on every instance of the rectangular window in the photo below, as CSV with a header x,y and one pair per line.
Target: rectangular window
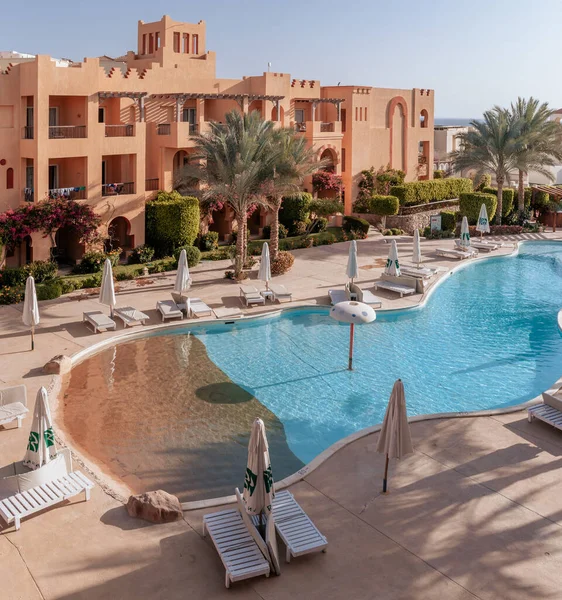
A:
x,y
186,43
195,39
357,113
361,114
343,160
53,177
177,41
157,40
29,116
101,114
299,115
144,43
103,172
366,114
53,116
150,43
29,176
343,119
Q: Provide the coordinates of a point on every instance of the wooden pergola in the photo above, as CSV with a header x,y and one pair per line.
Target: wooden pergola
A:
x,y
316,101
553,192
138,97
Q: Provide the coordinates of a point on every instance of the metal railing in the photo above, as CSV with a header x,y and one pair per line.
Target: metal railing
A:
x,y
152,185
67,131
300,127
163,129
27,133
119,130
69,193
193,128
28,195
327,127
116,189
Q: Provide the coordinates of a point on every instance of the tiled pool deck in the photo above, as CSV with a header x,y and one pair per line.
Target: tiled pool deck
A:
x,y
474,513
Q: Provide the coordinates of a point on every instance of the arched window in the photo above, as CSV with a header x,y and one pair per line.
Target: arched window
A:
x,y
10,179
424,118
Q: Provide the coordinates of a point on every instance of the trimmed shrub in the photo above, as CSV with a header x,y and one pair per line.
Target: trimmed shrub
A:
x,y
485,182
422,192
282,232
92,262
384,205
359,227
11,295
282,263
470,204
49,290
298,228
439,174
508,196
172,221
319,225
68,286
540,201
295,208
141,254
193,255
92,282
41,270
448,220
209,241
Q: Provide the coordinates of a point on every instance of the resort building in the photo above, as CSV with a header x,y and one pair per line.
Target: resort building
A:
x,y
446,140
111,132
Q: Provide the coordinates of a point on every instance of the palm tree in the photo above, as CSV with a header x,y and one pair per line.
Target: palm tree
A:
x,y
490,145
236,160
296,161
541,145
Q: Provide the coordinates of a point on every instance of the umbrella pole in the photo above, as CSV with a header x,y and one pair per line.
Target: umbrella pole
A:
x,y
33,337
351,332
384,486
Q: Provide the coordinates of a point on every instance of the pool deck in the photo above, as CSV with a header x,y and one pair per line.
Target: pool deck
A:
x,y
474,513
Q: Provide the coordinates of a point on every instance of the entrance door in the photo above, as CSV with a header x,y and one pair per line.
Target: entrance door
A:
x,y
29,177
190,116
53,116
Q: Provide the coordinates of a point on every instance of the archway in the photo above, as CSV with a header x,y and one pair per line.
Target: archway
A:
x,y
330,157
278,117
398,125
68,248
180,160
119,230
424,119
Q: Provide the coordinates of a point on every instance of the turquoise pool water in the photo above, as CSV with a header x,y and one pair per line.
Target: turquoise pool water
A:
x,y
487,338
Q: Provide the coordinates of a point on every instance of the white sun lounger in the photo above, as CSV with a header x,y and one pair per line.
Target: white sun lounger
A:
x,y
65,485
237,546
453,253
550,412
280,292
169,310
480,245
98,320
195,307
130,316
419,272
13,404
398,288
251,295
222,312
362,295
337,296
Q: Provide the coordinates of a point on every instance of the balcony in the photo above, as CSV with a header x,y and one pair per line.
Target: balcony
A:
x,y
163,128
67,132
117,189
120,130
300,127
27,133
69,193
313,129
327,127
152,185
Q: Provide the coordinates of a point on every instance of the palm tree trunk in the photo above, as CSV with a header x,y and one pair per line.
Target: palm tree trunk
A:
x,y
274,231
239,261
499,179
521,193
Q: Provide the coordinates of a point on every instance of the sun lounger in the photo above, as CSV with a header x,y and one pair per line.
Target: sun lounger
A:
x,y
251,295
130,316
55,482
337,296
235,540
169,310
362,295
480,245
280,292
420,272
452,253
98,320
227,313
391,286
550,412
13,404
197,308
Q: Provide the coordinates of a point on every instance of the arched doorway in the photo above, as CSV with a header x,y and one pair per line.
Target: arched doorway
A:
x,y
397,122
330,158
119,230
68,248
222,222
180,160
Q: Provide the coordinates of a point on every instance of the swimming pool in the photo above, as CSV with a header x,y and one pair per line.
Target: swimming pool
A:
x,y
488,338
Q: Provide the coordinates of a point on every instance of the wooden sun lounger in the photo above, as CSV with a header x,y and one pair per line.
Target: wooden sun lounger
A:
x,y
13,404
550,412
98,320
169,310
280,292
251,295
197,308
391,286
130,316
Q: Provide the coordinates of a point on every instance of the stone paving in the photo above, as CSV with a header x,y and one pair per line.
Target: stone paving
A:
x,y
474,513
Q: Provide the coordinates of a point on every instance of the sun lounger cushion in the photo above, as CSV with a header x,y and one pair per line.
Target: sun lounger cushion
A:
x,y
452,253
399,288
98,320
337,296
130,315
196,306
223,312
422,272
280,292
169,309
552,401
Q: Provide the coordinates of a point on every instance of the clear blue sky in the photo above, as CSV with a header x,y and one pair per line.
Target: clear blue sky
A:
x,y
473,54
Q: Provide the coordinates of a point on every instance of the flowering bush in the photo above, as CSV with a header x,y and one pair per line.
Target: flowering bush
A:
x,y
326,180
11,295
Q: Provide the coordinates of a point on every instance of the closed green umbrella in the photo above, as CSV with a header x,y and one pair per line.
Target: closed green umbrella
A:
x,y
483,225
392,265
41,447
465,235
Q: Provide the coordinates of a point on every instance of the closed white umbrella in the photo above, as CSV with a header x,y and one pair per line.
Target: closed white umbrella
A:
x,y
264,273
41,446
392,264
465,235
182,276
258,483
107,291
30,314
417,257
395,440
483,225
352,266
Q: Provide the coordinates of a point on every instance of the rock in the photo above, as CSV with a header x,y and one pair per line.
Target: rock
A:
x,y
156,507
58,365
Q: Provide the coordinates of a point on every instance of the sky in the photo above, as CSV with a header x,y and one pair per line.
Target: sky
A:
x,y
473,54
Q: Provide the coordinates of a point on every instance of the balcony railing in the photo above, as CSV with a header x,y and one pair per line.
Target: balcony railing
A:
x,y
67,132
119,130
27,133
327,127
193,128
116,189
163,129
68,193
422,160
28,195
300,127
152,185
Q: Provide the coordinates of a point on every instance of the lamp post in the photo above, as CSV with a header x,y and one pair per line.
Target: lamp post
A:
x,y
354,313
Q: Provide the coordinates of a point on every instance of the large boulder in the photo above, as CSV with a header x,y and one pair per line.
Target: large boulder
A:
x,y
156,507
58,365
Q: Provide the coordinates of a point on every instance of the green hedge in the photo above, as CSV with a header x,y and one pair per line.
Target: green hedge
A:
x,y
41,270
421,192
172,221
380,205
509,196
295,208
359,227
49,290
448,220
470,204
193,255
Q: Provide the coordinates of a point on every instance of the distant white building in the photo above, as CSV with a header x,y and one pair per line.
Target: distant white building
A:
x,y
557,169
446,140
